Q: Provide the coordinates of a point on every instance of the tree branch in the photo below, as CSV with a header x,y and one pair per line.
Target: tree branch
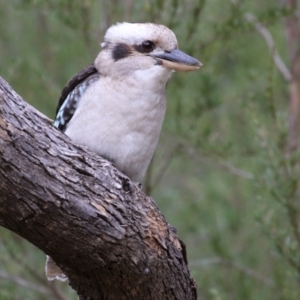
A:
x,y
108,237
293,36
264,32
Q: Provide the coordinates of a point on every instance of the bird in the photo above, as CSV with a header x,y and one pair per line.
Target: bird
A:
x,y
116,106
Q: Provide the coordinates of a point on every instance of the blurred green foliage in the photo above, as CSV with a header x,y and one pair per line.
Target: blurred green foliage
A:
x,y
221,175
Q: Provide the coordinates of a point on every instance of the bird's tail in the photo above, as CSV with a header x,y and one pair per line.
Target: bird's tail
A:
x,y
53,271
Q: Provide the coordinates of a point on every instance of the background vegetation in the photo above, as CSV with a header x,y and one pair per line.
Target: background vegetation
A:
x,y
226,171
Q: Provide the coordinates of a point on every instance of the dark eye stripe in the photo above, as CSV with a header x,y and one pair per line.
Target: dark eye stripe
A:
x,y
121,51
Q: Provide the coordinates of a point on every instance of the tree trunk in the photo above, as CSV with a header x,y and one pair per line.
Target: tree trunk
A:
x,y
108,237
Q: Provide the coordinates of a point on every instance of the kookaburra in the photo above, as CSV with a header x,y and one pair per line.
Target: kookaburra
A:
x,y
115,107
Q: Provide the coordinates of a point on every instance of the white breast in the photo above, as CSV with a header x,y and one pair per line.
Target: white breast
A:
x,y
121,120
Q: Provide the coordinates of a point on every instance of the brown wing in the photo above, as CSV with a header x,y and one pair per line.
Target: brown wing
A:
x,y
75,81
72,94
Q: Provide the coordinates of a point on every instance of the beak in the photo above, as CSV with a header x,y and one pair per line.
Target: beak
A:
x,y
178,61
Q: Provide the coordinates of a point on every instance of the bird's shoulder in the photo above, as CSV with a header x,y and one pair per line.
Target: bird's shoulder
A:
x,y
72,93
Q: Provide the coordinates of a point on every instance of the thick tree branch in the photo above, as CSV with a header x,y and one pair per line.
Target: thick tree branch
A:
x,y
101,229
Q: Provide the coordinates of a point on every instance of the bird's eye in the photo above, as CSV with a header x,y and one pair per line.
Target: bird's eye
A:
x,y
148,46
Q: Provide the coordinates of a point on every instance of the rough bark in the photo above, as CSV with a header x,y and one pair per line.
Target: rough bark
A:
x,y
100,228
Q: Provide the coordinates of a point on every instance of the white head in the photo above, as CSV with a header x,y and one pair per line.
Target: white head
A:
x,y
147,47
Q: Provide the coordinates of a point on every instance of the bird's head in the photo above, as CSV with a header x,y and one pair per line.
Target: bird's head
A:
x,y
146,47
